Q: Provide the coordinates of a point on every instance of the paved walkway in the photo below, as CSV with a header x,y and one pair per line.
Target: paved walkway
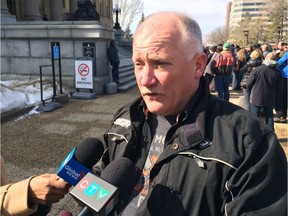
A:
x,y
38,143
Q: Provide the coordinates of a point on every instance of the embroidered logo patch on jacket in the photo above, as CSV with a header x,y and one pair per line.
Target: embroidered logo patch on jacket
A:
x,y
123,122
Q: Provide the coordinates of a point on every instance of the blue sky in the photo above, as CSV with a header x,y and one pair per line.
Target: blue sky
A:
x,y
209,14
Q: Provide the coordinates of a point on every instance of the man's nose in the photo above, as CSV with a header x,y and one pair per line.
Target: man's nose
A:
x,y
148,76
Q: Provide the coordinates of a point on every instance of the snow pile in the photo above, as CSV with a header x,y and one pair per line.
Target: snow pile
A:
x,y
22,93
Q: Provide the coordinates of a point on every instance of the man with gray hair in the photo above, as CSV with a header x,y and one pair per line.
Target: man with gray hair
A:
x,y
198,155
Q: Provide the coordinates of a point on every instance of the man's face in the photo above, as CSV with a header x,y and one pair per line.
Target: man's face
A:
x,y
165,77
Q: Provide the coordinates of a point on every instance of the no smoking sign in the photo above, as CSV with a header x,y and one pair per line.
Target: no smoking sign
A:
x,y
83,74
83,69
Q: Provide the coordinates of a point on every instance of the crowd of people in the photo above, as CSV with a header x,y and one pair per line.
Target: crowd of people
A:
x,y
260,71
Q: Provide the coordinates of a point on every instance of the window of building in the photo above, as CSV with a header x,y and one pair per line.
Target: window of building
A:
x,y
251,4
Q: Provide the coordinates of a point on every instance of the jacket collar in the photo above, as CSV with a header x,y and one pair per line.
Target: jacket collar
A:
x,y
194,111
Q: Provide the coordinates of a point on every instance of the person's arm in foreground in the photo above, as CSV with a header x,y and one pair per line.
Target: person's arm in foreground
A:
x,y
23,198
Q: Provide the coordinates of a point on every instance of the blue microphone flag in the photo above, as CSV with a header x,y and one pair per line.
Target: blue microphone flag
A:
x,y
71,170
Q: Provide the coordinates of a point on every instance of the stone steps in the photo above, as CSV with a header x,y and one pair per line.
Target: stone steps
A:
x,y
126,70
127,78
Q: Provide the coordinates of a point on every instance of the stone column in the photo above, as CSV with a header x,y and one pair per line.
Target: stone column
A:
x,y
73,6
4,8
31,10
5,14
56,7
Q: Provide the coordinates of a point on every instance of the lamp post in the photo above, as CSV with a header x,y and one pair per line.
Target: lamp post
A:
x,y
279,33
117,10
246,34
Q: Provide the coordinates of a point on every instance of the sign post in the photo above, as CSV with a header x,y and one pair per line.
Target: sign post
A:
x,y
84,78
56,56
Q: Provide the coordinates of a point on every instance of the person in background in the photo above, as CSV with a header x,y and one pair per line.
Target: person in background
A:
x,y
232,49
280,51
262,85
32,196
237,49
240,62
223,72
249,50
254,61
207,52
45,18
212,50
114,60
281,101
257,47
199,155
265,50
208,72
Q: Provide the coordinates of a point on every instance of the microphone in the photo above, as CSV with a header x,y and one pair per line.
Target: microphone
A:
x,y
101,195
80,160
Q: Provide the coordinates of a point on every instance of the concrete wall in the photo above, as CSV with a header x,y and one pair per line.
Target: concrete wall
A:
x,y
27,45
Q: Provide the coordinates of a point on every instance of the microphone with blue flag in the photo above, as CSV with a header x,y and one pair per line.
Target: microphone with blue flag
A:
x,y
81,160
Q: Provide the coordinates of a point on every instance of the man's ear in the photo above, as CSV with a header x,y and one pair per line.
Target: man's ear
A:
x,y
200,64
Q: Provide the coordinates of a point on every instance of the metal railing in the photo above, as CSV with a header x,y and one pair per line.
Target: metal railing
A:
x,y
41,86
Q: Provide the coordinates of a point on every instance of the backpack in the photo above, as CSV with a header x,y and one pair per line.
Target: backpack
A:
x,y
245,77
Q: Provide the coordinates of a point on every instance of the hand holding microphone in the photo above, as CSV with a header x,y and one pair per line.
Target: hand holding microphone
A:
x,y
38,192
46,189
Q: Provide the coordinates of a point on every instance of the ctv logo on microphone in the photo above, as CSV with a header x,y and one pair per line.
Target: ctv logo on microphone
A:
x,y
96,193
91,189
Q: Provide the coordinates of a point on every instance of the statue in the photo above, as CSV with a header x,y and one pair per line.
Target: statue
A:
x,y
86,11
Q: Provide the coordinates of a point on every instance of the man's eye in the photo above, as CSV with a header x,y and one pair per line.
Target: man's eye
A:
x,y
160,62
137,64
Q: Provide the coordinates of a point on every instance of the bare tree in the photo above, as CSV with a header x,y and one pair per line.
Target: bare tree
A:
x,y
131,11
218,36
277,10
141,19
237,35
258,31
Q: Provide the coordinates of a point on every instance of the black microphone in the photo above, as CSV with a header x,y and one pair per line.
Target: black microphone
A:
x,y
124,176
89,152
101,195
81,160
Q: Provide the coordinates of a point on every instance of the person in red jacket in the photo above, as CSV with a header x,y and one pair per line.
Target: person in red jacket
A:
x,y
223,72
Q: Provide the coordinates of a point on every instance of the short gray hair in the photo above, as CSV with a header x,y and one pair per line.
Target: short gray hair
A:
x,y
191,36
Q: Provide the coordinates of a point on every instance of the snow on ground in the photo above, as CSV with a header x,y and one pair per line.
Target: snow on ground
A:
x,y
15,94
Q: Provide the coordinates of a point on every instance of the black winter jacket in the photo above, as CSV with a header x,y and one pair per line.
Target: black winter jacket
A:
x,y
252,63
246,70
264,83
217,160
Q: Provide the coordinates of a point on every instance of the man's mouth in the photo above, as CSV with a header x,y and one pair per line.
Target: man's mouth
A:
x,y
151,94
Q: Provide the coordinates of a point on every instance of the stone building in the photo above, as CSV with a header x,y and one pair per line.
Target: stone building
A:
x,y
237,10
30,27
55,10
